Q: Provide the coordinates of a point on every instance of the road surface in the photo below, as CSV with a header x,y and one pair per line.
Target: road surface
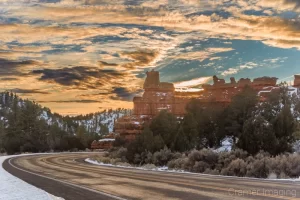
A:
x,y
68,176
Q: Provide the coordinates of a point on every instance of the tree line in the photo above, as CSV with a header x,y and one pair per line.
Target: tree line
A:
x,y
26,126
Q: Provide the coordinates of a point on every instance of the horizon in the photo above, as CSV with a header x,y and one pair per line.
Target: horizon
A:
x,y
83,56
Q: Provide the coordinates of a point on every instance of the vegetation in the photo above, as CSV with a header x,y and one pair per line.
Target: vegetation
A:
x,y
263,135
254,126
233,163
25,126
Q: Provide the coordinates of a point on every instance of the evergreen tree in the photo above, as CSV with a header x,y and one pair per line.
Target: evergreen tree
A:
x,y
165,125
239,111
203,124
257,135
285,128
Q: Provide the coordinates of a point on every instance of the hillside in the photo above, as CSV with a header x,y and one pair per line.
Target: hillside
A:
x,y
26,125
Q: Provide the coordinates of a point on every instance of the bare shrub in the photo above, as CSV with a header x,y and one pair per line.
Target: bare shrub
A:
x,y
259,168
179,163
119,153
162,157
105,160
200,166
204,155
149,166
212,171
237,167
293,166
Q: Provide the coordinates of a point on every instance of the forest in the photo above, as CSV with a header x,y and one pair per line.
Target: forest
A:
x,y
26,126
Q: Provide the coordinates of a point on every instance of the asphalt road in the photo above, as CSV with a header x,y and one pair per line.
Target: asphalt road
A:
x,y
68,176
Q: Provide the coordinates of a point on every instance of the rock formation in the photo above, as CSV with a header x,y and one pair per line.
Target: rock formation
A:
x,y
297,81
162,96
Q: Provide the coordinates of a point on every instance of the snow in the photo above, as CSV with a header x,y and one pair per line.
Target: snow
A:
x,y
166,169
226,145
296,146
13,188
107,140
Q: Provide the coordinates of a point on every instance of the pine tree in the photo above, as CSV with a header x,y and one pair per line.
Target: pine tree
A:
x,y
239,111
257,135
165,125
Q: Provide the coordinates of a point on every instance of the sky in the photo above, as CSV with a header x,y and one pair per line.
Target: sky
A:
x,y
82,56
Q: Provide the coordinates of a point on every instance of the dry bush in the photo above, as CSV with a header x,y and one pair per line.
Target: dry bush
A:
x,y
259,168
149,166
237,167
162,157
212,171
205,155
200,166
105,160
293,166
179,163
119,153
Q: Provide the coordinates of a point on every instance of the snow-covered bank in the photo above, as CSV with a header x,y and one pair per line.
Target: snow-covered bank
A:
x,y
88,160
165,169
13,188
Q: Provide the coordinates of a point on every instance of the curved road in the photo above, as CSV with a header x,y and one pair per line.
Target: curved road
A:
x,y
70,177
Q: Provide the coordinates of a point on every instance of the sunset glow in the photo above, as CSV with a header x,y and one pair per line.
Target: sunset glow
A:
x,y
82,56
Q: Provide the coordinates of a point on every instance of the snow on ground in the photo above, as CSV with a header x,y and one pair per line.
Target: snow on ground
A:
x,y
166,169
13,188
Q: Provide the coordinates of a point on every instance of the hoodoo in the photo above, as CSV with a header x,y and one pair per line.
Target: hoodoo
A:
x,y
160,96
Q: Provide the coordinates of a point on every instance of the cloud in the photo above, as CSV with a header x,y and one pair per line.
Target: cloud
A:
x,y
80,77
13,67
230,71
272,30
28,91
124,94
72,101
140,58
99,48
249,65
192,83
106,64
9,79
202,55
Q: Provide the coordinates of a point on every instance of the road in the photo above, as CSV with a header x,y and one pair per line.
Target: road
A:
x,y
68,176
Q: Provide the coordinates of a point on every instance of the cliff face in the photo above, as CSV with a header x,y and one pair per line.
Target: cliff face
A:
x,y
297,81
158,96
162,96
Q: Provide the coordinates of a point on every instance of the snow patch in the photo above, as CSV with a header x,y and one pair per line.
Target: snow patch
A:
x,y
227,144
166,169
107,140
13,188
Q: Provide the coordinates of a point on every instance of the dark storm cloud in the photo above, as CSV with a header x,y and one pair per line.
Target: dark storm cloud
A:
x,y
9,79
124,94
78,76
10,67
72,101
49,1
28,91
93,95
293,2
140,57
106,64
